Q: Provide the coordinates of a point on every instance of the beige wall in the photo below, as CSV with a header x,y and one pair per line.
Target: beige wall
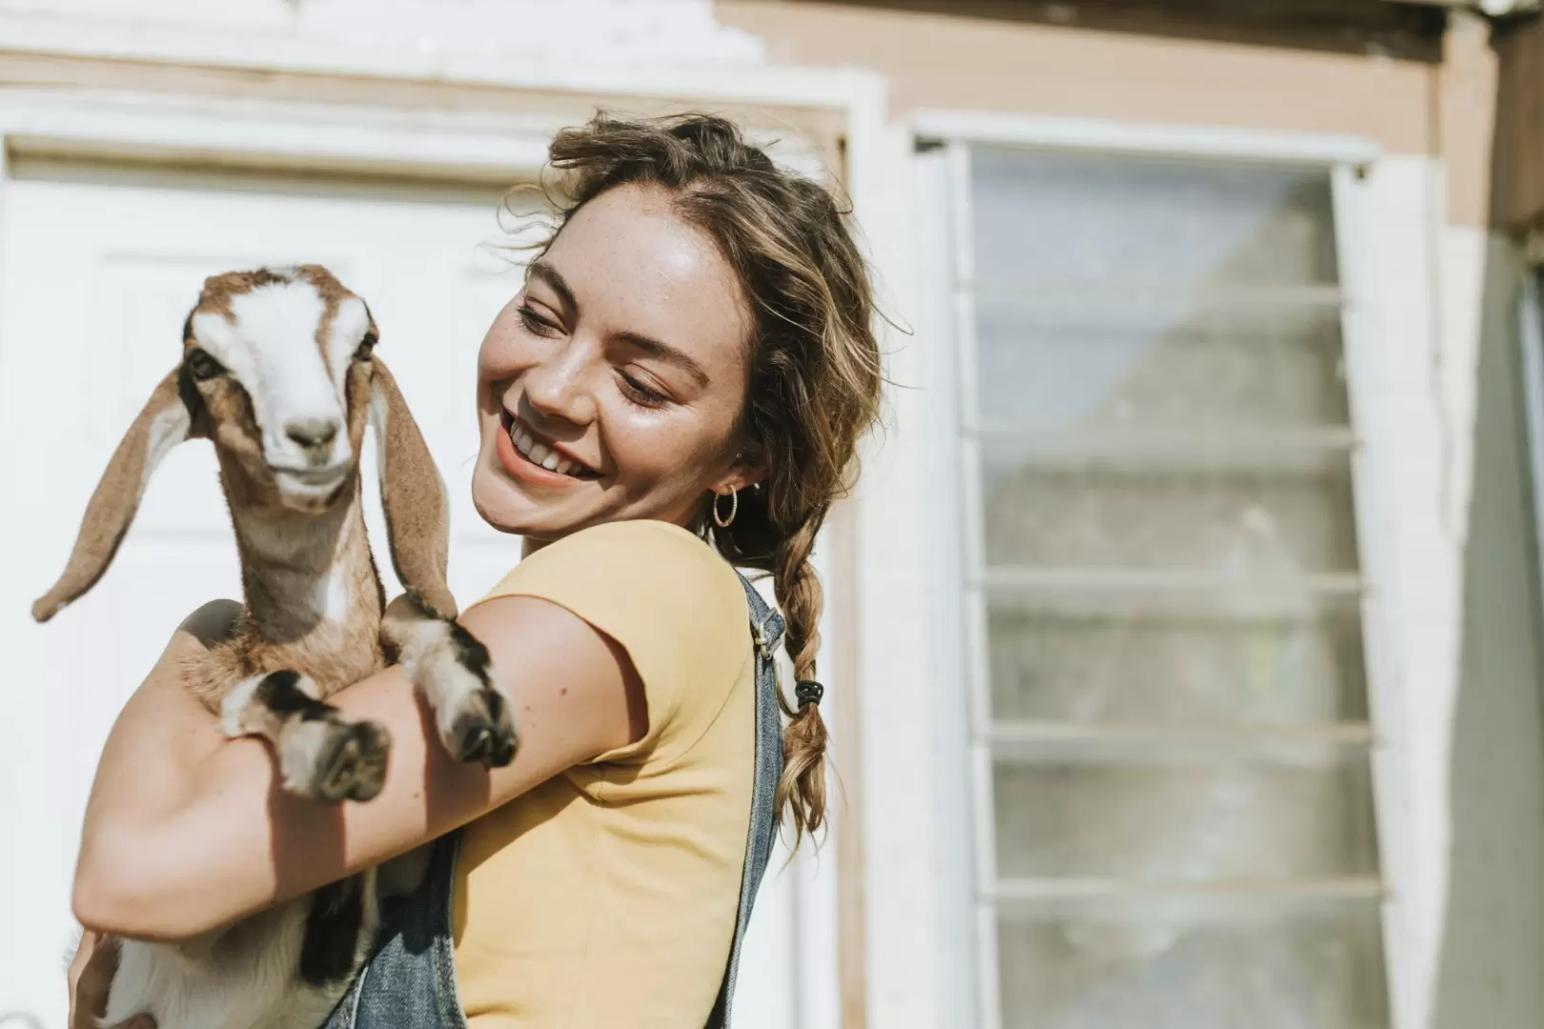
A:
x,y
940,61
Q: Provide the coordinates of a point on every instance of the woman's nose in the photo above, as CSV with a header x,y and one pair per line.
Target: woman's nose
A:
x,y
558,387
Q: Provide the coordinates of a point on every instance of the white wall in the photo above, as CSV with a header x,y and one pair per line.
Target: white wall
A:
x,y
1470,789
452,32
1488,711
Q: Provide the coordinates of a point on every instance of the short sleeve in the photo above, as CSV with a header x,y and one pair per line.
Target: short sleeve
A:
x,y
672,603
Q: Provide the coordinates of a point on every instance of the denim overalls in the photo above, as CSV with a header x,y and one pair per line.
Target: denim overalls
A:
x,y
409,982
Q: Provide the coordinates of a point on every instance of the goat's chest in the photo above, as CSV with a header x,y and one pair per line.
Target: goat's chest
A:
x,y
333,659
332,655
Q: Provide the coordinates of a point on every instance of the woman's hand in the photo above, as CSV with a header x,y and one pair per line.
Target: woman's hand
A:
x,y
90,975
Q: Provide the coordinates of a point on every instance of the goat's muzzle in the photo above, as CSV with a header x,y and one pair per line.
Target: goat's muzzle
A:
x,y
309,490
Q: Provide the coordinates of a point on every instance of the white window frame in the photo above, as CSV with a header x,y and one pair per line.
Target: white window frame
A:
x,y
958,610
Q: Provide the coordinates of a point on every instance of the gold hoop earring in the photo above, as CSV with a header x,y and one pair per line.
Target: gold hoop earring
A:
x,y
734,508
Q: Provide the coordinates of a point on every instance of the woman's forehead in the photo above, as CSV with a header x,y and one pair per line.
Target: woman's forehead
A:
x,y
635,265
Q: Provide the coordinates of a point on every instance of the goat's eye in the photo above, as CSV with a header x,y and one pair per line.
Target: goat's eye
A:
x,y
202,365
366,346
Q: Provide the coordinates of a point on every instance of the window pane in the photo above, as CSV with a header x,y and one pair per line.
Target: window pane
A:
x,y
1249,519
1042,218
1316,969
1173,668
1160,454
1108,362
1185,818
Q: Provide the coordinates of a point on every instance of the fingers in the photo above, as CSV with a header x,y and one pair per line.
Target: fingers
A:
x,y
91,979
91,974
84,944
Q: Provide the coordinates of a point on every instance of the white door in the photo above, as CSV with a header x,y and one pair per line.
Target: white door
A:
x,y
98,268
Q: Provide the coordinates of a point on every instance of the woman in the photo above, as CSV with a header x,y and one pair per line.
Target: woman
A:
x,y
687,369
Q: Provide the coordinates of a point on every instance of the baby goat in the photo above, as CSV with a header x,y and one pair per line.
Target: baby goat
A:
x,y
278,371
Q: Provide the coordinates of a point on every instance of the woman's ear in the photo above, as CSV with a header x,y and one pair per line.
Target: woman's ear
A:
x,y
739,482
749,471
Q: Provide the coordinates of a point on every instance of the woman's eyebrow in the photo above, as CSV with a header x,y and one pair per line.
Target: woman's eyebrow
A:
x,y
654,348
548,274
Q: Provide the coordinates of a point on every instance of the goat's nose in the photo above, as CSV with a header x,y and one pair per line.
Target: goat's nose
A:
x,y
312,433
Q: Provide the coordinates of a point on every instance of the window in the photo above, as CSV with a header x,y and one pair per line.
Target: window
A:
x,y
1169,729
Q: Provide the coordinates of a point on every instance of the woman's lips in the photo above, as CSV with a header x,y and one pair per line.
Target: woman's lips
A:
x,y
523,468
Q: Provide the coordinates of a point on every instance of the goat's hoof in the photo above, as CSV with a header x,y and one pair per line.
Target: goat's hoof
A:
x,y
484,730
352,765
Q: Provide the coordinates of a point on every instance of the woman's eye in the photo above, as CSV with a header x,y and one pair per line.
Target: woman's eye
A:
x,y
536,323
202,366
366,347
640,394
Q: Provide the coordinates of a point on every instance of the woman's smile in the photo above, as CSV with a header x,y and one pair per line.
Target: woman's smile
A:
x,y
535,459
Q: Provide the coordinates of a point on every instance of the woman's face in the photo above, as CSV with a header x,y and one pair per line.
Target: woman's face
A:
x,y
610,386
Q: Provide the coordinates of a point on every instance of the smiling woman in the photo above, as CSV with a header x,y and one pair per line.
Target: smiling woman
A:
x,y
624,354
678,388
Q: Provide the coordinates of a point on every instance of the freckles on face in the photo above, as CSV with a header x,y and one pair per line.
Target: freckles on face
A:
x,y
623,364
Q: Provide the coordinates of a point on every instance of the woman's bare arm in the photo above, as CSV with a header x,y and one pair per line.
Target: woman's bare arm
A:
x,y
186,831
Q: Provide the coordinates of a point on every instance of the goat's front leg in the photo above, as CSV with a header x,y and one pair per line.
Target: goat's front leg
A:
x,y
450,666
321,755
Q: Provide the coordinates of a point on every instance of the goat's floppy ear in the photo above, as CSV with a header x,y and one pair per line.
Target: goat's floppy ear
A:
x,y
417,515
164,422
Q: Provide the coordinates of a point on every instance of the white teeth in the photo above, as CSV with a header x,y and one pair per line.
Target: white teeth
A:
x,y
538,453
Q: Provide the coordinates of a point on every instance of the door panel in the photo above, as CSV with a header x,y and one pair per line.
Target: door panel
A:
x,y
98,268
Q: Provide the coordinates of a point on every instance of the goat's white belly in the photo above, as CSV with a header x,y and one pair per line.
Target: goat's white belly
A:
x,y
247,977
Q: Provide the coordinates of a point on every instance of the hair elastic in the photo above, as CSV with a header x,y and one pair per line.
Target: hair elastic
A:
x,y
808,691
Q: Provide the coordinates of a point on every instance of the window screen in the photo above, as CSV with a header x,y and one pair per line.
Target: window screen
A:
x,y
1169,720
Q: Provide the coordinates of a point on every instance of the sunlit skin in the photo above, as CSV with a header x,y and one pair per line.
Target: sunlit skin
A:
x,y
627,348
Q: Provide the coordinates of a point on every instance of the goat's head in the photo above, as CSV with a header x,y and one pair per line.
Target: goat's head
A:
x,y
280,363
278,371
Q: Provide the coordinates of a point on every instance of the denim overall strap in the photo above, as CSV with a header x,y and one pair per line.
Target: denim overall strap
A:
x,y
766,631
409,982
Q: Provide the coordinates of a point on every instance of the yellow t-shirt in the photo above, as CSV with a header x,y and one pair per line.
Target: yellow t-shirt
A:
x,y
607,895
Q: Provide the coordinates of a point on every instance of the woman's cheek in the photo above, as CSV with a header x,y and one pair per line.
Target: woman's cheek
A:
x,y
649,451
499,355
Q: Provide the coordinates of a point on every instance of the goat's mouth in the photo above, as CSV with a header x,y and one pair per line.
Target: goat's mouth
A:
x,y
309,489
331,474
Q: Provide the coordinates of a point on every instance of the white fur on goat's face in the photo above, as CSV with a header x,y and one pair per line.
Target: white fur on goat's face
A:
x,y
288,341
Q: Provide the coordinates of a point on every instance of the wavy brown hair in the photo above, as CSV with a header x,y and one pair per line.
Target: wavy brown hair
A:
x,y
814,382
